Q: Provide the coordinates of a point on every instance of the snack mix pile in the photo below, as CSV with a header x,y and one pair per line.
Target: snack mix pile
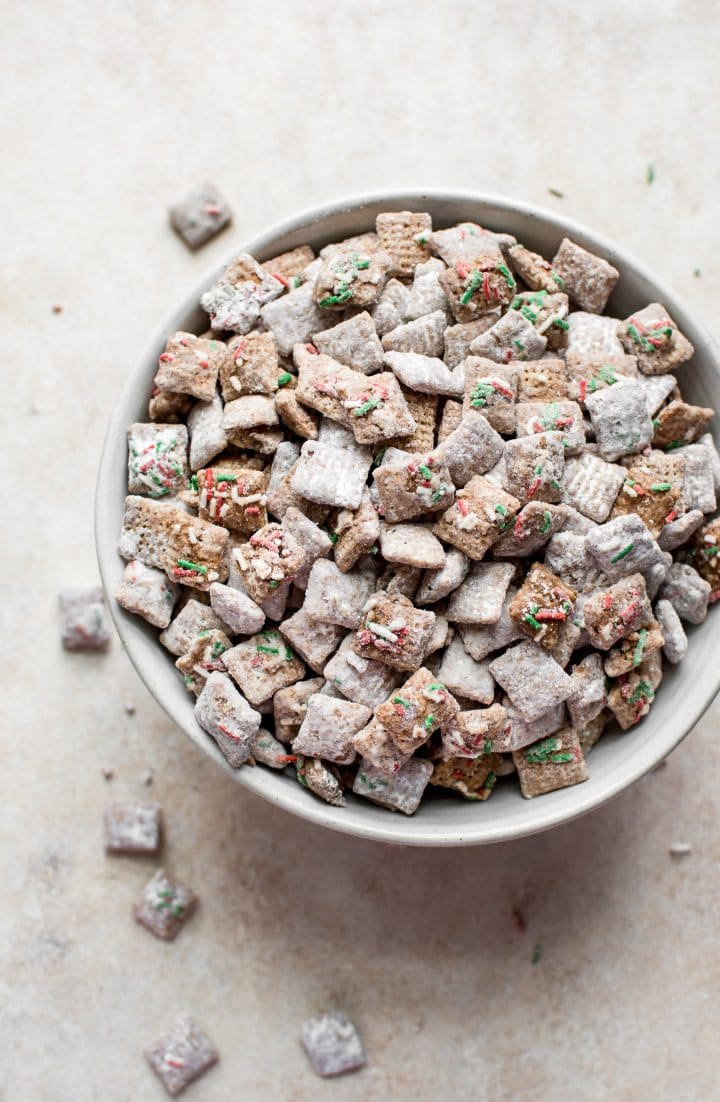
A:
x,y
416,511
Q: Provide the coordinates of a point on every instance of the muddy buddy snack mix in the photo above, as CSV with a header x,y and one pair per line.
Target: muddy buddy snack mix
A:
x,y
416,519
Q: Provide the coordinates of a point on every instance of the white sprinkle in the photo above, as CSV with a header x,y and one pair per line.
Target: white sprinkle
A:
x,y
381,631
710,539
213,575
397,625
680,849
202,500
192,535
629,491
235,383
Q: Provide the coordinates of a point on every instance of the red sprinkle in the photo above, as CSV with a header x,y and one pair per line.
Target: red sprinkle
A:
x,y
285,758
534,487
463,269
312,349
583,389
550,614
463,506
167,357
714,596
607,601
281,279
672,515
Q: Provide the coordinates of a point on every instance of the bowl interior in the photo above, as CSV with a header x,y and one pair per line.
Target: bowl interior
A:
x,y
618,759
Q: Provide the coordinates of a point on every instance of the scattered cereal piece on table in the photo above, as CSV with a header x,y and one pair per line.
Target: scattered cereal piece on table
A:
x,y
181,1055
132,828
165,906
84,619
200,216
332,1044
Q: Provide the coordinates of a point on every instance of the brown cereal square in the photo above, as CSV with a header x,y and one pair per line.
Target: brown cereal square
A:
x,y
289,265
513,337
611,614
653,337
423,336
400,792
631,696
535,524
233,497
290,706
404,235
555,762
194,551
144,591
165,906
656,501
411,545
263,664
706,560
478,286
377,409
678,423
336,597
423,410
353,342
417,708
547,313
588,279
313,640
586,374
414,485
250,366
564,417
235,301
479,516
452,415
543,606
634,649
473,778
202,658
270,558
190,365
393,631
491,389
543,381
303,422
84,619
351,277
534,467
476,732
169,408
458,338
357,532
534,270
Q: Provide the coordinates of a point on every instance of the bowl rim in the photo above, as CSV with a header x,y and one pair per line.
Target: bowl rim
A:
x,y
399,829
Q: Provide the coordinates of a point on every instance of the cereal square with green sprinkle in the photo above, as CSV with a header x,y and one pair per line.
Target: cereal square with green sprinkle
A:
x,y
289,266
192,618
534,270
634,649
377,409
467,241
376,748
479,516
263,664
706,558
513,337
564,417
250,366
203,657
351,277
590,373
269,559
233,497
404,236
478,286
421,705
678,424
402,791
320,778
491,389
413,485
647,493
632,694
536,523
393,631
653,337
543,606
542,381
555,762
612,613
473,778
620,420
181,1055
190,365
476,732
195,550
588,279
235,301
548,313
534,467
147,592
623,546
157,459
328,729
165,906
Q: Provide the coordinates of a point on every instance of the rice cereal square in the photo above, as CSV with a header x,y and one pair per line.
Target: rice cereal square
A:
x,y
263,664
165,906
532,679
190,365
555,762
421,705
393,631
588,279
157,459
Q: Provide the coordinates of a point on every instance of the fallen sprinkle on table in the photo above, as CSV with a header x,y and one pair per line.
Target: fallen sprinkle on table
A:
x,y
558,194
107,772
57,309
536,954
518,920
650,174
697,273
680,849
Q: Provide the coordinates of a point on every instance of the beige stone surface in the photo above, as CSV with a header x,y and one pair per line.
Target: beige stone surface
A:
x,y
109,112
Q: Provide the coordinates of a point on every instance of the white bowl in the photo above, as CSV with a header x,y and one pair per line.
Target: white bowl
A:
x,y
443,820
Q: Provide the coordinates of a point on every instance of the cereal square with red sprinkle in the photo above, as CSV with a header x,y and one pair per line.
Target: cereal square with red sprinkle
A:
x,y
543,606
479,516
84,619
653,337
413,485
404,236
328,729
235,301
678,423
200,216
512,337
393,631
190,365
655,499
475,732
563,417
587,374
250,366
402,791
290,265
555,762
165,906
157,459
548,313
473,778
491,389
536,523
534,467
270,558
377,409
225,714
376,748
351,277
534,270
421,705
611,614
182,1055
588,279
195,551
263,664
203,657
634,649
631,696
477,286
233,497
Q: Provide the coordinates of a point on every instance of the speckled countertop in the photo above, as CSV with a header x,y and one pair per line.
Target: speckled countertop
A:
x,y
109,112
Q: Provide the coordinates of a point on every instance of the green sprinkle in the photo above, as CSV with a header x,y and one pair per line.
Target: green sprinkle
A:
x,y
480,394
487,746
560,759
288,654
534,624
501,510
650,174
640,647
656,422
272,584
440,492
193,482
428,722
560,282
710,552
560,323
660,487
674,444
506,274
378,458
642,692
185,564
489,782
401,700
360,263
536,954
621,554
218,648
178,910
338,299
266,650
530,314
472,285
519,344
633,333
366,407
374,549
226,478
542,751
547,522
555,485
425,472
697,273
284,379
333,537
